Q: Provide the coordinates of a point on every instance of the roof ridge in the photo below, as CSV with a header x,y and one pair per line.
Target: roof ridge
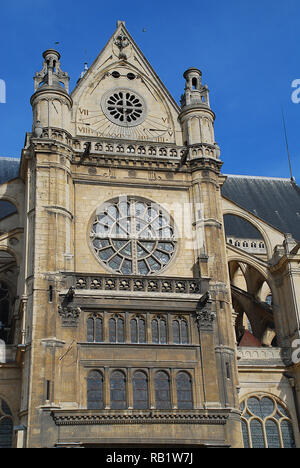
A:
x,y
257,177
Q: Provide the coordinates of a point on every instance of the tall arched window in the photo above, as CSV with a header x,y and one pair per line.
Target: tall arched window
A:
x,y
94,329
6,425
138,330
162,390
266,423
4,311
95,390
116,330
184,391
140,390
159,331
118,390
180,331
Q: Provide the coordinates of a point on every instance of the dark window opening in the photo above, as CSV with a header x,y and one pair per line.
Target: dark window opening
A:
x,y
95,390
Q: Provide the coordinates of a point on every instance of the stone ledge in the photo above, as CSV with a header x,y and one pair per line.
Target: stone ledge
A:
x,y
98,417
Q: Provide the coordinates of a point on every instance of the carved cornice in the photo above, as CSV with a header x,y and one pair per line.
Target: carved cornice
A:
x,y
84,418
132,284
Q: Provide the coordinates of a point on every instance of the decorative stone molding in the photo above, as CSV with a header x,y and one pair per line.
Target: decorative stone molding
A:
x,y
269,357
70,315
137,284
84,417
205,319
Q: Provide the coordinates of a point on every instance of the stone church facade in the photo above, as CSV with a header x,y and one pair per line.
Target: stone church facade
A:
x,y
146,298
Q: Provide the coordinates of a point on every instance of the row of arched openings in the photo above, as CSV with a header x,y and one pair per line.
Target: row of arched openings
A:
x,y
140,390
116,330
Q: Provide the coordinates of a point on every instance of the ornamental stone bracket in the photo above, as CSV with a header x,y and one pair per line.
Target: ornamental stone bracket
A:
x,y
69,315
205,317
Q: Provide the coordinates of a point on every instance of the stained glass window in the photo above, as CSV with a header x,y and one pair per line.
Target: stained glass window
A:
x,y
116,330
180,331
138,330
267,422
6,426
184,391
159,331
94,330
287,434
4,311
272,434
118,390
162,390
257,435
95,390
133,236
140,390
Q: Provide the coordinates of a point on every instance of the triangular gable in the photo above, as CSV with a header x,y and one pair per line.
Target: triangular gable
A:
x,y
122,66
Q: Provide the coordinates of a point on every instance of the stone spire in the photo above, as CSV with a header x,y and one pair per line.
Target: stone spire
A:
x,y
51,75
51,102
197,118
195,92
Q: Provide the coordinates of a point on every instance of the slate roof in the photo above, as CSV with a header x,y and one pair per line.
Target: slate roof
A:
x,y
275,200
9,169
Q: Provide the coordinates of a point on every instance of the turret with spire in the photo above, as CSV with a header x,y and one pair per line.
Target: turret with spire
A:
x,y
197,118
51,102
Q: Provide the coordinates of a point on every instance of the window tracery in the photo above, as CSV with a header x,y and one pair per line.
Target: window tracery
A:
x,y
133,236
266,423
6,425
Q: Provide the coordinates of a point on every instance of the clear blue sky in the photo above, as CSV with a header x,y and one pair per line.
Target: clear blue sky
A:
x,y
247,50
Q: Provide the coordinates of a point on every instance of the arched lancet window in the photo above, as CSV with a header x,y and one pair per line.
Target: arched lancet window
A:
x,y
116,330
118,390
4,311
95,390
266,423
140,390
162,390
138,330
159,331
184,391
6,425
180,331
94,329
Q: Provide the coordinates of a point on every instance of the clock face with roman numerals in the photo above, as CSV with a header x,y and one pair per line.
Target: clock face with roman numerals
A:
x,y
123,112
124,107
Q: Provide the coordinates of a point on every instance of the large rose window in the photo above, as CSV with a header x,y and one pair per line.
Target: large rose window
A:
x,y
133,236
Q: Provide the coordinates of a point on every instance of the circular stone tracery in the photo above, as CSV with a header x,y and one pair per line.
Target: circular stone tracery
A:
x,y
133,236
124,107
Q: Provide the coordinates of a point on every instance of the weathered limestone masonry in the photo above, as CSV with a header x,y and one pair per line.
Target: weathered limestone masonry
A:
x,y
68,190
122,322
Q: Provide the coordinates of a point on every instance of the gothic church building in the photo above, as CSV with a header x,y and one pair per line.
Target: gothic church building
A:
x,y
146,299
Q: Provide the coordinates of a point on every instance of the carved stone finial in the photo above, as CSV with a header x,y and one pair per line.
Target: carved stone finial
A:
x,y
122,42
